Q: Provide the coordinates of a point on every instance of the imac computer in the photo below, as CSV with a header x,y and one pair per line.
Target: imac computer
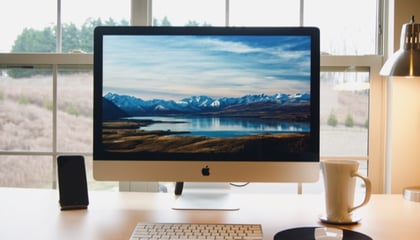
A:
x,y
206,104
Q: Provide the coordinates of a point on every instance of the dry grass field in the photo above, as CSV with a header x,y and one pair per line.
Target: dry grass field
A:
x,y
26,123
26,120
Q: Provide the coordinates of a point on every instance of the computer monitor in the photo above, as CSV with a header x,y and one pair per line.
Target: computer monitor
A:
x,y
206,104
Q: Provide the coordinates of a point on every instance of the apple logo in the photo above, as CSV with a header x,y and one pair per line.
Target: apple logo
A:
x,y
205,171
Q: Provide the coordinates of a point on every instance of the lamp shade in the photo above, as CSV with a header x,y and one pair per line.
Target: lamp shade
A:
x,y
406,61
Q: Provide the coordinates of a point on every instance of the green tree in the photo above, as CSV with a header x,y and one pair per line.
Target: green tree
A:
x,y
70,37
82,39
73,38
165,22
31,40
332,120
349,121
86,34
193,23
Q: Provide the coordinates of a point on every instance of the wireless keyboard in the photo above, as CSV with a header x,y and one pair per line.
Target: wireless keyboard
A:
x,y
184,231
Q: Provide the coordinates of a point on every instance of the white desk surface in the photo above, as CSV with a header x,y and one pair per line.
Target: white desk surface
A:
x,y
35,214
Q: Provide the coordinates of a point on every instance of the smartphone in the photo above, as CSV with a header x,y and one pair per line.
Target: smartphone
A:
x,y
72,184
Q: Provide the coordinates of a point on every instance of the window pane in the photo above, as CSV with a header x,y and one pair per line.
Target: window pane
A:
x,y
347,27
344,113
188,12
25,109
26,171
79,18
75,110
16,15
264,13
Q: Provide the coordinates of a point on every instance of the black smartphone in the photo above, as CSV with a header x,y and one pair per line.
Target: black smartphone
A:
x,y
72,184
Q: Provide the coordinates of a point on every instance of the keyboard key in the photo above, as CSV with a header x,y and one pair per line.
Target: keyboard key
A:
x,y
185,231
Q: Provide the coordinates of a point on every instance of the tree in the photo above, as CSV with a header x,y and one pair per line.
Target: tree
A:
x,y
73,38
332,120
193,23
31,40
349,121
70,37
165,22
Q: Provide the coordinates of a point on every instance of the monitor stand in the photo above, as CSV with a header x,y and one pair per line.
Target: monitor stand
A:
x,y
204,196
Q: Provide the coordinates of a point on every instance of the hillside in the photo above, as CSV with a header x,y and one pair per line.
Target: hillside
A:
x,y
26,125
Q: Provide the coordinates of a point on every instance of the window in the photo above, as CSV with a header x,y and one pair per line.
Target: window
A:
x,y
264,13
18,16
347,79
53,91
74,110
26,171
26,104
342,32
79,18
188,12
79,12
40,99
344,113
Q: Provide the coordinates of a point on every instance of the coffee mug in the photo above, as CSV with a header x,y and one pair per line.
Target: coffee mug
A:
x,y
339,181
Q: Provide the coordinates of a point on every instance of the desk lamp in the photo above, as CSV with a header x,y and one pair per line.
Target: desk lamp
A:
x,y
406,63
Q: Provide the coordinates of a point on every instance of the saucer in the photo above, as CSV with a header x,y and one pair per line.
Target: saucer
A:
x,y
308,233
353,220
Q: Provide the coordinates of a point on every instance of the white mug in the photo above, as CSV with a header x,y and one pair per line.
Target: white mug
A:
x,y
339,181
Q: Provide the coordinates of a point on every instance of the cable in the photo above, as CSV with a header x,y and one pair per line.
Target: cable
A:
x,y
239,184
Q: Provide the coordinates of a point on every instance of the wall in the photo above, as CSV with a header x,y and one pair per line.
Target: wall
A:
x,y
405,122
405,165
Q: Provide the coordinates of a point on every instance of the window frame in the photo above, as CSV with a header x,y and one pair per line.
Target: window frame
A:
x,y
141,15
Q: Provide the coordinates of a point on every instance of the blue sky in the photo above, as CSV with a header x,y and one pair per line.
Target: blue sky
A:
x,y
218,66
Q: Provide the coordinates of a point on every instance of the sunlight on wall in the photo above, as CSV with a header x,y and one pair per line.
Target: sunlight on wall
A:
x,y
405,133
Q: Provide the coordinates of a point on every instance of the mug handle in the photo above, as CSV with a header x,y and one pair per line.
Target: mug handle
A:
x,y
367,193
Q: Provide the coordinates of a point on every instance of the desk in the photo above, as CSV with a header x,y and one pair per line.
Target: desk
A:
x,y
35,214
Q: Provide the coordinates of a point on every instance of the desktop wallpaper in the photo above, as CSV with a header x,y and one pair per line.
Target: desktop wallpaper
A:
x,y
211,97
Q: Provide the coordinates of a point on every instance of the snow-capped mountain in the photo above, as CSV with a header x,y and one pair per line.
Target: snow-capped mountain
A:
x,y
204,104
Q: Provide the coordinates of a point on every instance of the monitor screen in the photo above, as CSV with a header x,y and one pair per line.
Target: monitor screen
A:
x,y
206,104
